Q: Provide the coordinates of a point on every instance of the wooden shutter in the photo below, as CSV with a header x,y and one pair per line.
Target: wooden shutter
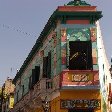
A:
x,y
49,66
45,61
109,89
37,73
33,77
30,82
23,90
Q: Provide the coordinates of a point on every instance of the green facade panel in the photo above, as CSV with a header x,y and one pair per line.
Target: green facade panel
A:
x,y
58,51
52,67
52,44
26,85
95,67
63,67
58,66
78,34
63,45
58,40
58,33
94,45
52,54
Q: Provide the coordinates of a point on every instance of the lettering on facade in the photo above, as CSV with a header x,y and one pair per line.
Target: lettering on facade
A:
x,y
69,104
80,77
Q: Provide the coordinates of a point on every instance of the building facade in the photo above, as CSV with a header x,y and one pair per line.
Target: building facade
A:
x,y
109,87
7,96
0,98
66,68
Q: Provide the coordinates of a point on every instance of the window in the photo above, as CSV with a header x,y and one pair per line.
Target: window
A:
x,y
104,78
37,73
110,102
22,90
17,96
80,55
45,61
30,82
35,77
111,71
47,66
103,66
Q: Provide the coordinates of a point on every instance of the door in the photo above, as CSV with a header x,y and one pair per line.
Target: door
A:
x,y
80,55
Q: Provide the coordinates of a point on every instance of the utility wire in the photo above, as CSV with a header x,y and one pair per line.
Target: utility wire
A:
x,y
16,29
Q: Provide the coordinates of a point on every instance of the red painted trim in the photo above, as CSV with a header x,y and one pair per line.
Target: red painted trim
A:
x,y
63,60
81,71
66,81
78,22
77,8
63,39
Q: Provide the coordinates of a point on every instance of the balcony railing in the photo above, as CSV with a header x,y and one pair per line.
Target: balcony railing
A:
x,y
33,99
79,79
67,79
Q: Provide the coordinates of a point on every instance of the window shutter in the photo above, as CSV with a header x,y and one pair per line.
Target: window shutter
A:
x,y
33,77
37,73
109,89
22,90
30,82
49,66
45,61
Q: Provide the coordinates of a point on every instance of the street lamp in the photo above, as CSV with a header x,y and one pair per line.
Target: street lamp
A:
x,y
45,105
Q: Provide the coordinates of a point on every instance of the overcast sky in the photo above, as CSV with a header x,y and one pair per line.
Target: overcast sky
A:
x,y
21,22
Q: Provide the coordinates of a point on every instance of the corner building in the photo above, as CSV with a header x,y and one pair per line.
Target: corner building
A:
x,y
62,66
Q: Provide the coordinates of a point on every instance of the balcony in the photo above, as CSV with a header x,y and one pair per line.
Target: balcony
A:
x,y
79,79
40,90
33,99
66,80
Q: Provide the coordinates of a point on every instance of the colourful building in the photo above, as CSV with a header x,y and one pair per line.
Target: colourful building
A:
x,y
109,87
7,95
0,98
65,69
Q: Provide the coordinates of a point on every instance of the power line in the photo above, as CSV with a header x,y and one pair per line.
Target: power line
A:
x,y
19,30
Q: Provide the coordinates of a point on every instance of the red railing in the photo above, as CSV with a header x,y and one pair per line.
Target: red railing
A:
x,y
65,78
79,78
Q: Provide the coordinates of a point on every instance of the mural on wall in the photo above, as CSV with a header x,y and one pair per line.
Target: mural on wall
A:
x,y
67,33
78,34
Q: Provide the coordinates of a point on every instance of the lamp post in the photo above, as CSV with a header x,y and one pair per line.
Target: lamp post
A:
x,y
45,105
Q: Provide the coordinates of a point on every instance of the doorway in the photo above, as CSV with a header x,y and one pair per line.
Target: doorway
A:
x,y
80,55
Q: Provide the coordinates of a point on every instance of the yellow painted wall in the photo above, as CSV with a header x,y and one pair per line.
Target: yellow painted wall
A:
x,y
82,94
76,94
